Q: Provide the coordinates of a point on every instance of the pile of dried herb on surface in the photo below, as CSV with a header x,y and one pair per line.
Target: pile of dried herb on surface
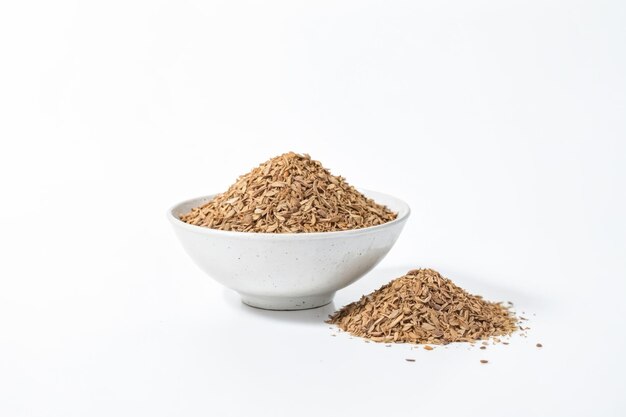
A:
x,y
424,307
290,193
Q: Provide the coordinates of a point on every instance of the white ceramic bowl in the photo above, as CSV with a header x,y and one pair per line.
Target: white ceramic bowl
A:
x,y
288,271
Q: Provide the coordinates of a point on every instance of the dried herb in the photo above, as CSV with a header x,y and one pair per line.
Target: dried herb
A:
x,y
290,193
424,307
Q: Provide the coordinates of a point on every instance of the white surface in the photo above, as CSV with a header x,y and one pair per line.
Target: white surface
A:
x,y
288,271
111,112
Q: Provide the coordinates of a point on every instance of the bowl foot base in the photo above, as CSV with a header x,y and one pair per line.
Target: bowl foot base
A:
x,y
287,303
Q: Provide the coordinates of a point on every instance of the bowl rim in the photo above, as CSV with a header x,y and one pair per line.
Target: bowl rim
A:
x,y
403,213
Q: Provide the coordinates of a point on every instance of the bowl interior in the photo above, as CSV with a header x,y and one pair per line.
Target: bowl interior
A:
x,y
392,203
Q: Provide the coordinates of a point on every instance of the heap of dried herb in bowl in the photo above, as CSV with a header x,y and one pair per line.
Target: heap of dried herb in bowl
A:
x,y
290,193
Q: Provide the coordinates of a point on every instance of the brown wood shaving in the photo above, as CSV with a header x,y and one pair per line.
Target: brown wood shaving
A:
x,y
290,193
424,307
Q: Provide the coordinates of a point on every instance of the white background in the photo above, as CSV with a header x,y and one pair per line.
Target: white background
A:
x,y
501,123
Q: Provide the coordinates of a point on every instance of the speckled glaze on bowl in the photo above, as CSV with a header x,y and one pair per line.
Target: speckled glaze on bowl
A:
x,y
288,271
